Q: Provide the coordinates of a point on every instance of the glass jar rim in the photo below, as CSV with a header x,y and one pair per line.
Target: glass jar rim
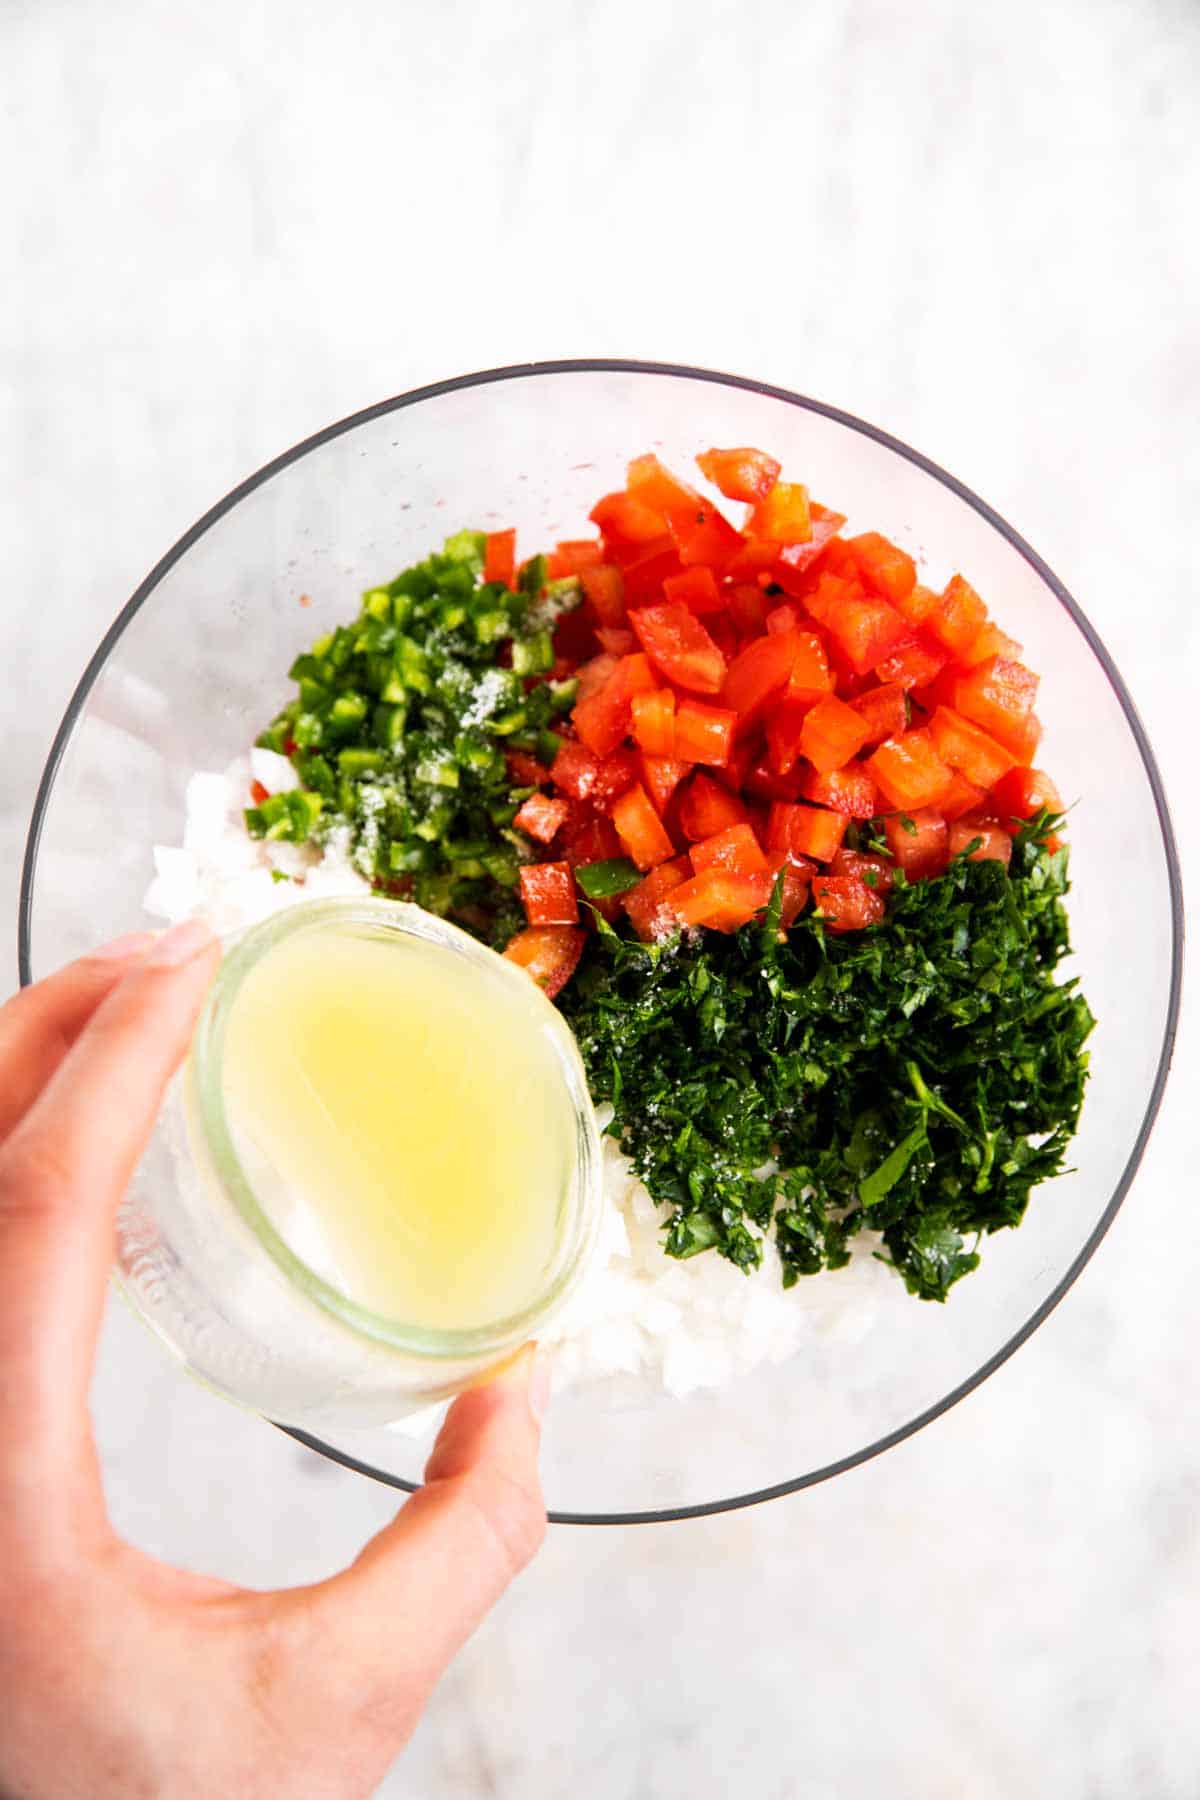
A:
x,y
211,1128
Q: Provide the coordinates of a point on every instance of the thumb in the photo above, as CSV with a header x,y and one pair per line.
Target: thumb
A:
x,y
422,1586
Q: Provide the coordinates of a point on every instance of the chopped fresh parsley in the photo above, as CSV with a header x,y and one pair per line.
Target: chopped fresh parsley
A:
x,y
917,1079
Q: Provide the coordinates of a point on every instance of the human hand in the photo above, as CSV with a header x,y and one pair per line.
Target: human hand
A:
x,y
119,1675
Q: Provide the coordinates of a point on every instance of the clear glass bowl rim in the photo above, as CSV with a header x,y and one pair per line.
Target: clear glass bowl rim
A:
x,y
632,366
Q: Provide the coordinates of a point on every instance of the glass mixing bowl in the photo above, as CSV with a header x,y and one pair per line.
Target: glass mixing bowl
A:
x,y
197,661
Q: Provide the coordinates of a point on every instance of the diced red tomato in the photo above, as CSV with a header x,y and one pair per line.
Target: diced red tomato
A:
x,y
758,673
696,588
908,770
1023,792
785,734
962,796
884,711
798,872
525,770
541,818
902,702
548,893
917,841
939,692
782,516
850,790
721,629
593,674
971,751
846,903
916,606
651,483
740,474
626,522
588,837
654,721
876,872
990,641
574,641
733,772
604,589
811,831
679,647
832,733
704,734
661,775
720,900
603,719
705,536
705,808
998,696
645,573
1023,739
914,665
763,783
783,618
549,952
735,848
848,684
779,825
747,608
867,629
607,905
577,554
795,559
258,793
755,561
839,560
959,616
995,845
500,556
830,592
883,566
646,905
618,640
640,829
575,769
810,677
616,773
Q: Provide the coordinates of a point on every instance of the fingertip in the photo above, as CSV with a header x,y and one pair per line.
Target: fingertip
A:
x,y
497,1422
182,944
524,1380
125,949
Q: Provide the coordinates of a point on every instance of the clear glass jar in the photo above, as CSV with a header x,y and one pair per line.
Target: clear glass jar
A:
x,y
204,1257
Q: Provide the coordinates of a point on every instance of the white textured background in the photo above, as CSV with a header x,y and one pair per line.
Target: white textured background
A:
x,y
227,224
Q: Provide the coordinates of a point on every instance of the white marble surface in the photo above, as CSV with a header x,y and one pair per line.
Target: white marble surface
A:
x,y
228,224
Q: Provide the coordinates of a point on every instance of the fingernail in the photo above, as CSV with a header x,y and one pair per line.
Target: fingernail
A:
x,y
123,949
540,1381
180,945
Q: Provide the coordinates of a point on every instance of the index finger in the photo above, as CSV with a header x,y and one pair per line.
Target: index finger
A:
x,y
39,1025
63,1170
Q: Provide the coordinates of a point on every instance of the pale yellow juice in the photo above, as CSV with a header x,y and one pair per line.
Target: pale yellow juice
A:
x,y
404,1122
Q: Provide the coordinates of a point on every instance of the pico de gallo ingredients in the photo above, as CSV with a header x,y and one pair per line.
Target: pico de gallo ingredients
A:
x,y
757,806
